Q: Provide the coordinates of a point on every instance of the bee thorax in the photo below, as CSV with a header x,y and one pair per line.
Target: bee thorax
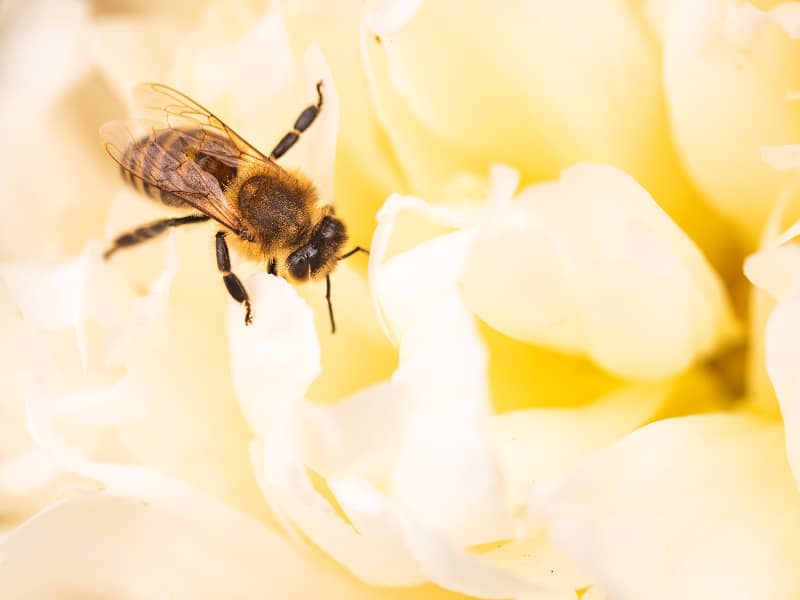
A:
x,y
276,206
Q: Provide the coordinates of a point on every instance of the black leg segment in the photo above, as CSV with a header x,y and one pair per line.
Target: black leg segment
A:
x,y
149,231
302,123
232,283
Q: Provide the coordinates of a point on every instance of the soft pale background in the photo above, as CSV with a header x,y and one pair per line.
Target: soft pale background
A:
x,y
511,406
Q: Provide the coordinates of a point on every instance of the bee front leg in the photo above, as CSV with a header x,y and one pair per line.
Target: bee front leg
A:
x,y
302,123
233,284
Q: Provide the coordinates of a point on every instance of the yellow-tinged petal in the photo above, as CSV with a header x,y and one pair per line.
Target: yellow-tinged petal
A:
x,y
535,557
771,271
537,86
175,542
690,508
51,107
44,51
358,354
541,444
782,351
776,270
588,264
591,264
406,535
727,71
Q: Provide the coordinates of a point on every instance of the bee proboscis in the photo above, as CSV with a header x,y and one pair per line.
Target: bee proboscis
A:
x,y
194,160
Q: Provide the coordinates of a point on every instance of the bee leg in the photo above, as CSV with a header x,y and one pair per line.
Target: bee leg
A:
x,y
353,251
330,306
149,231
302,123
232,283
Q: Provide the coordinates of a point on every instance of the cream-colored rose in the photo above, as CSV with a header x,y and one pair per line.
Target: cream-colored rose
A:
x,y
510,407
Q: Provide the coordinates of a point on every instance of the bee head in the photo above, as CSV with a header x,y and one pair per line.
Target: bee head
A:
x,y
317,257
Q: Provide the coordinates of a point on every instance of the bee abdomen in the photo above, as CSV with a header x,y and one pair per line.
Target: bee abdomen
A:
x,y
143,162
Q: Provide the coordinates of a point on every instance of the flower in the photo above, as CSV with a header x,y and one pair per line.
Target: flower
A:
x,y
537,388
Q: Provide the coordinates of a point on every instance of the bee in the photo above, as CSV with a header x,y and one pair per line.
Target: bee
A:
x,y
193,160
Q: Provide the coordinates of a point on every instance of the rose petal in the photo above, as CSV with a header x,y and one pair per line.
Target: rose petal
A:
x,y
787,15
740,62
446,473
402,286
782,158
25,472
563,266
537,559
781,355
774,268
504,95
441,562
434,267
542,444
131,49
44,52
358,355
287,364
286,330
336,443
214,552
382,531
386,17
51,296
144,311
638,515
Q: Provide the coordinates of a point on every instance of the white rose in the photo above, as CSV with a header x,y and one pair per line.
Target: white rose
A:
x,y
510,406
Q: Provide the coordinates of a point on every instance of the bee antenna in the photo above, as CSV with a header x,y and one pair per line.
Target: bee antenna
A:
x,y
353,251
330,306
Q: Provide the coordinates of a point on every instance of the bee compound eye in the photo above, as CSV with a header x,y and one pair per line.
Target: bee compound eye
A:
x,y
328,230
297,265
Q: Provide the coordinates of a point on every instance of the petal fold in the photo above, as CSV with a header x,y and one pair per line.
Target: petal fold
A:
x,y
644,515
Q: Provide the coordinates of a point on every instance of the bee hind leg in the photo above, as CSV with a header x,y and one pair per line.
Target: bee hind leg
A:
x,y
302,123
149,231
232,283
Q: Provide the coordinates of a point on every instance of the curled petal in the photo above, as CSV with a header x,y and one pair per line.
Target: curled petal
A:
x,y
776,270
537,445
782,158
704,473
538,86
44,54
390,545
51,296
591,264
782,353
743,63
265,375
221,553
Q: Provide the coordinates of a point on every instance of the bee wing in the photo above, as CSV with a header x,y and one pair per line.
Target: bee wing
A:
x,y
169,167
182,112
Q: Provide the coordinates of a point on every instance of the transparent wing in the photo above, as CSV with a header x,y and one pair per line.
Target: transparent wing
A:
x,y
182,112
164,158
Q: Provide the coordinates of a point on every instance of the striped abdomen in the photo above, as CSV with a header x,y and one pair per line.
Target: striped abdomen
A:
x,y
146,160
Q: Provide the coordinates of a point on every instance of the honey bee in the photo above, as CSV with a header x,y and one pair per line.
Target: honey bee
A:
x,y
193,160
